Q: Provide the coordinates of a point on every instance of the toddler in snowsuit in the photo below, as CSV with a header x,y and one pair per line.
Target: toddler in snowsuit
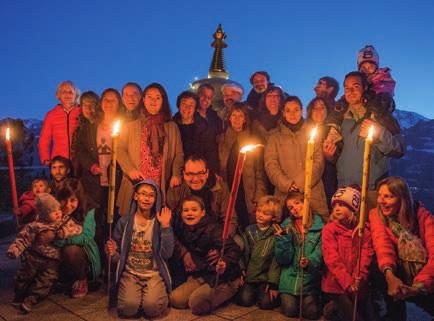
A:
x,y
39,270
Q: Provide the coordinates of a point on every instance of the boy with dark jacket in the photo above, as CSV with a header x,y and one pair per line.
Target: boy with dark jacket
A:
x,y
200,235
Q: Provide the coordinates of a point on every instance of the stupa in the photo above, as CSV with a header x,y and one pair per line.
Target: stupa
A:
x,y
217,74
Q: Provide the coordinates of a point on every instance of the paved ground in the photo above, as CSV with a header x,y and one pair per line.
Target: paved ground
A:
x,y
93,307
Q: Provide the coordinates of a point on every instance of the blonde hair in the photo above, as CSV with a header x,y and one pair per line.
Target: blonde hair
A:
x,y
273,205
399,188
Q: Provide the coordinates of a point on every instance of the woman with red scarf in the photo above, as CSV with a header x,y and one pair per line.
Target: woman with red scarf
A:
x,y
150,147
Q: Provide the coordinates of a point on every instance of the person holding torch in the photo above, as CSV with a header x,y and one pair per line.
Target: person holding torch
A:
x,y
354,129
285,158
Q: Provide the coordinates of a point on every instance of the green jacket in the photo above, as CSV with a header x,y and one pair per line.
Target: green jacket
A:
x,y
258,261
288,253
86,239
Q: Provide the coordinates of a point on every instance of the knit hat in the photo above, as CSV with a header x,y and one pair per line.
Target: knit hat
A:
x,y
234,86
349,196
45,204
368,54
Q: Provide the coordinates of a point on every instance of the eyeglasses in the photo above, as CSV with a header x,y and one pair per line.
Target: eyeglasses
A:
x,y
191,174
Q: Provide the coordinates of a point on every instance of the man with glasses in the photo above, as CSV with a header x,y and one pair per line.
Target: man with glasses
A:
x,y
199,181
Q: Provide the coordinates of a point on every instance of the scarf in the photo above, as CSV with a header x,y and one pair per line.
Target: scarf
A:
x,y
294,128
153,130
413,255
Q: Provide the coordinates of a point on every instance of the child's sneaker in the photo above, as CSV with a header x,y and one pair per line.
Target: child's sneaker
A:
x,y
27,304
79,289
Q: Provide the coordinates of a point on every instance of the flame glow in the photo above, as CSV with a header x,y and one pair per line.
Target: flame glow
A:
x,y
313,134
371,133
249,148
116,127
8,133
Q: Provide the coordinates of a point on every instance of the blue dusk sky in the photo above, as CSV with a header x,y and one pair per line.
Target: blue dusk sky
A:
x,y
100,44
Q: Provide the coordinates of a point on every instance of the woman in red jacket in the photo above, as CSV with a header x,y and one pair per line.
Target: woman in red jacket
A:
x,y
59,124
403,238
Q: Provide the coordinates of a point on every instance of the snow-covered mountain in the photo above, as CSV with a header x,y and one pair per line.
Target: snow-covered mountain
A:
x,y
417,165
408,119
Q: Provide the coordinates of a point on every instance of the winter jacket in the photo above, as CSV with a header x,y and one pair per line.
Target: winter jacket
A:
x,y
329,176
381,81
202,143
202,237
162,243
285,161
86,240
350,162
57,130
259,130
385,243
253,100
218,206
258,260
86,154
26,238
253,176
214,121
340,250
129,159
83,124
288,254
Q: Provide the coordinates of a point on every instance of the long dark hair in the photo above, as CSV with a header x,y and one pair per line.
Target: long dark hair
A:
x,y
72,187
165,107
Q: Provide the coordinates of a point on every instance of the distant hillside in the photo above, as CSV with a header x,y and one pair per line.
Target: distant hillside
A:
x,y
417,166
408,119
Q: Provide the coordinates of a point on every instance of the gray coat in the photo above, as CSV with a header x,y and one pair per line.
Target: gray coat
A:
x,y
285,161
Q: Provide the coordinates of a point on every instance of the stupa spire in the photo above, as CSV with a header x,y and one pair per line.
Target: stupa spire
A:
x,y
217,68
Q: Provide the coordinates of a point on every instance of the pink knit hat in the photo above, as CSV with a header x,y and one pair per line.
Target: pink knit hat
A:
x,y
348,196
368,54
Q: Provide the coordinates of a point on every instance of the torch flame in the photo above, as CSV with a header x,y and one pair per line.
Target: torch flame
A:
x,y
116,127
371,132
8,133
313,134
249,148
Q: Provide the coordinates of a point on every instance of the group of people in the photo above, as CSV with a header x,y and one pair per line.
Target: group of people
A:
x,y
174,175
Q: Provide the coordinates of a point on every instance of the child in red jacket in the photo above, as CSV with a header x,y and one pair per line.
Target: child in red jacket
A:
x,y
26,213
340,242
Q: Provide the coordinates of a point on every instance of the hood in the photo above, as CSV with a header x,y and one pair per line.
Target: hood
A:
x,y
157,206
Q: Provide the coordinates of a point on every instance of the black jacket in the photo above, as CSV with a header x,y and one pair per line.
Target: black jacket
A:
x,y
199,239
201,141
87,155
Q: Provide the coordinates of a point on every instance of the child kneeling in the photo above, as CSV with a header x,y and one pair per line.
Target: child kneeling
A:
x,y
142,242
200,235
260,271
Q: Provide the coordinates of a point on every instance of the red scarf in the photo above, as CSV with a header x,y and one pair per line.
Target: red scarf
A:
x,y
153,136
